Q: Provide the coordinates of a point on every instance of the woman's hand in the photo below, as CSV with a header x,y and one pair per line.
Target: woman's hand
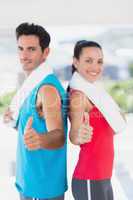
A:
x,y
85,131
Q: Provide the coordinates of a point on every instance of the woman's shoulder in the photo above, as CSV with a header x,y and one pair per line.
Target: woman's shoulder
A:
x,y
76,93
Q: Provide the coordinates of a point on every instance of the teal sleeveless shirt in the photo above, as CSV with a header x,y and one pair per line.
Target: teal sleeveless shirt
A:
x,y
41,173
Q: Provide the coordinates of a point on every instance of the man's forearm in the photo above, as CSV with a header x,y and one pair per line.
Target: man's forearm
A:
x,y
53,139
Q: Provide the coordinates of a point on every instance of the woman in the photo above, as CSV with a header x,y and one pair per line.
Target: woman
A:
x,y
89,113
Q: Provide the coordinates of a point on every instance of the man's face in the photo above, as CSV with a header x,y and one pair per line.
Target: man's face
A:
x,y
30,52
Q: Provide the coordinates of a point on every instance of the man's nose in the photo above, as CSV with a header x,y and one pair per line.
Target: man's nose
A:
x,y
24,55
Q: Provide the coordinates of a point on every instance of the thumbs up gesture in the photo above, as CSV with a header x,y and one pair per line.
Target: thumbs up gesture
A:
x,y
32,139
7,116
29,124
85,131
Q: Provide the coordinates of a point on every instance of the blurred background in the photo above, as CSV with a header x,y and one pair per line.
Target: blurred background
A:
x,y
106,22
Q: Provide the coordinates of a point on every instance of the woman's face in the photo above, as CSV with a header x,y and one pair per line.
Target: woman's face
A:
x,y
90,63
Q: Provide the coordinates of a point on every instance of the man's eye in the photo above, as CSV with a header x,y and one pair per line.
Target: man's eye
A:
x,y
32,49
20,49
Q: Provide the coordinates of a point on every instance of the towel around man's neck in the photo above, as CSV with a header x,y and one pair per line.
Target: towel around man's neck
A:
x,y
29,84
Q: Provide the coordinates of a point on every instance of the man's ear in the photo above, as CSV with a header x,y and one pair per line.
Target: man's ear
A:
x,y
46,53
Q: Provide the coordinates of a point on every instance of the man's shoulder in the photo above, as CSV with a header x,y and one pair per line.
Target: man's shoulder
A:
x,y
48,88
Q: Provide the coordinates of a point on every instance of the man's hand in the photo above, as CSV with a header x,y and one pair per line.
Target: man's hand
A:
x,y
7,116
32,139
85,131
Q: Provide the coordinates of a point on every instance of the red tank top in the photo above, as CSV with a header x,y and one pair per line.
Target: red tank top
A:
x,y
96,157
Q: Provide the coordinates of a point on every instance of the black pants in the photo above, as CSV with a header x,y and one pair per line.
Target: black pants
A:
x,y
92,190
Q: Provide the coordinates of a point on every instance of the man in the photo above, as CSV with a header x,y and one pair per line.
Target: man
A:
x,y
38,109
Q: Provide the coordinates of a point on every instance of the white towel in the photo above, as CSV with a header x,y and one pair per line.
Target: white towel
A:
x,y
101,99
32,80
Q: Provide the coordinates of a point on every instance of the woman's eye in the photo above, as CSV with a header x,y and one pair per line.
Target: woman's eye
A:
x,y
100,62
89,61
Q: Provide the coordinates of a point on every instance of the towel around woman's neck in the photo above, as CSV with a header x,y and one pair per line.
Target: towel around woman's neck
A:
x,y
101,99
29,84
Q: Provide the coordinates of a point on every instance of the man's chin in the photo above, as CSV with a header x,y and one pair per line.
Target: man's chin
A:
x,y
26,68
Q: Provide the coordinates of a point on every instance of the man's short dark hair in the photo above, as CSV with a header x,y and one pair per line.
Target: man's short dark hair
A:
x,y
37,30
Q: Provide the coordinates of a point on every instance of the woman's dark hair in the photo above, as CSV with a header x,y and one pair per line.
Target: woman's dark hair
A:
x,y
37,30
79,47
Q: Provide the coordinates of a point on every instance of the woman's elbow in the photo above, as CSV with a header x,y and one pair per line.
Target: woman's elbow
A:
x,y
73,140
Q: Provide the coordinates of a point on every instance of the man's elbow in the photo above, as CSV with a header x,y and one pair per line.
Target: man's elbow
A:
x,y
62,138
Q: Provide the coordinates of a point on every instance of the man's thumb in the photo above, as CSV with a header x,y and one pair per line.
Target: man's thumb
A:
x,y
29,123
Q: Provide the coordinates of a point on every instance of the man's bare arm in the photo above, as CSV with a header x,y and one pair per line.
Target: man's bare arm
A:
x,y
51,109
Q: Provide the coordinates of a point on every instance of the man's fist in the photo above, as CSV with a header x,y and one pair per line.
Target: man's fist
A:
x,y
32,139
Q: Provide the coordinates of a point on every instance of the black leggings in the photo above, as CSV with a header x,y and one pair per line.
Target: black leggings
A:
x,y
92,190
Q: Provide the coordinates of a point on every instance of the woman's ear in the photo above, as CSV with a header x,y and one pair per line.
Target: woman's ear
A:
x,y
75,62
